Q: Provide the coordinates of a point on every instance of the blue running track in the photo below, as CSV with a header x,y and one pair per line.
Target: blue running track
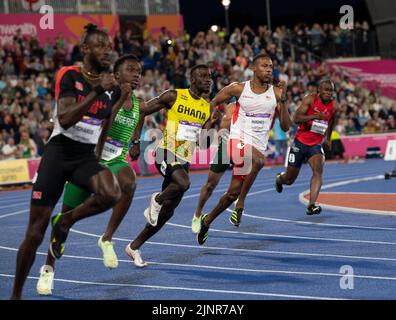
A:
x,y
277,253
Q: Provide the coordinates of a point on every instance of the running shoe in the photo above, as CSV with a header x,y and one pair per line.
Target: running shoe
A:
x,y
58,237
313,209
45,283
278,184
109,256
236,216
203,232
136,257
196,224
153,211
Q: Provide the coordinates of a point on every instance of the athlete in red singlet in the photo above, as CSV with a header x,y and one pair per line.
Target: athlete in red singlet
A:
x,y
315,117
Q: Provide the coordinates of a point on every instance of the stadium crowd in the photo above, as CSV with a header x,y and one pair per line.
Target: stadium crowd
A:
x,y
27,73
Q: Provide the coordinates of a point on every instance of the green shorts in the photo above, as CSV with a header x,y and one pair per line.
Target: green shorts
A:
x,y
221,161
74,195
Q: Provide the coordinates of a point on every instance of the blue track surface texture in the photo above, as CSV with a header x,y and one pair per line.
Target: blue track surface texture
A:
x,y
277,253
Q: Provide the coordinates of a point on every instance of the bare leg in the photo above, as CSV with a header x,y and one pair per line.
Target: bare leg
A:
x,y
258,163
38,222
106,193
127,179
207,190
316,162
167,211
225,201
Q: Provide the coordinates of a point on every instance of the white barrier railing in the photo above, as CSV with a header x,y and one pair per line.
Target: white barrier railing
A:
x,y
115,7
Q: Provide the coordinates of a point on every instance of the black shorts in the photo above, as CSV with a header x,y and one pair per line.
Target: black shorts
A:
x,y
299,152
221,161
166,163
63,160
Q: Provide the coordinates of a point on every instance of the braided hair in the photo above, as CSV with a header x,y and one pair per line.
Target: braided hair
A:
x,y
90,30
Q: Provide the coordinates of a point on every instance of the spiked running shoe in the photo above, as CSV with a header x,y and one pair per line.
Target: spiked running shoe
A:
x,y
109,256
152,212
236,216
313,209
136,257
278,184
45,283
203,232
195,224
58,237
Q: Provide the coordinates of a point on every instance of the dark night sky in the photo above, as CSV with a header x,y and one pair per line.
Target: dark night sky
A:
x,y
199,15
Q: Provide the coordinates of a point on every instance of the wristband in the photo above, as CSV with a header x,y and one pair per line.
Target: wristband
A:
x,y
99,89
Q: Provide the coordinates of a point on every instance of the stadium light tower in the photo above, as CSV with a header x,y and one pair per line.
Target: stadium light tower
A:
x,y
268,14
226,5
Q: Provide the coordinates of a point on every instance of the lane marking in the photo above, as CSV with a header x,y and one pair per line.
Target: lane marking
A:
x,y
249,293
320,255
318,223
210,267
273,235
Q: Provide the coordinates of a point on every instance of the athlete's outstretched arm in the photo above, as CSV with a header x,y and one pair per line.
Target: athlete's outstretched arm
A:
x,y
282,108
70,111
232,90
134,151
300,115
164,100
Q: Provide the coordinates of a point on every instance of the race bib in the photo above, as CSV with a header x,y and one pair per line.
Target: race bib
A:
x,y
259,122
188,131
87,130
112,149
319,126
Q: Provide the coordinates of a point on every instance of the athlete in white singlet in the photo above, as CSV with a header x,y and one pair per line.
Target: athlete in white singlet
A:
x,y
258,101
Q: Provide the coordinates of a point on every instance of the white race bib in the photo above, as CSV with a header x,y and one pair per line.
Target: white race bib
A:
x,y
319,126
258,122
188,131
87,130
112,149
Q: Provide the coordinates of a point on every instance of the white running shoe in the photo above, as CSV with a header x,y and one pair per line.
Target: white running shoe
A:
x,y
195,224
45,283
109,256
153,211
136,257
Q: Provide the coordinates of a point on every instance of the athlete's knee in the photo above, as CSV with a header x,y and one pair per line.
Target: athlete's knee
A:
x,y
34,236
257,163
232,196
128,189
210,186
109,196
184,185
318,171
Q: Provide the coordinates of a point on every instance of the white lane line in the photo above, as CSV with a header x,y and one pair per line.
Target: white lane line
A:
x,y
14,213
303,200
273,235
348,226
320,255
209,267
248,293
20,204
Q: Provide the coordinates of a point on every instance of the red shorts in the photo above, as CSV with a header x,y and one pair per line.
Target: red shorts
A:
x,y
239,152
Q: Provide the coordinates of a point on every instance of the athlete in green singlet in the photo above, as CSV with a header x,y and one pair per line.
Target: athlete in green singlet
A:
x,y
123,137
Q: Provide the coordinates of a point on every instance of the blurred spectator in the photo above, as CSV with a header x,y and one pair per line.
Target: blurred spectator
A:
x,y
27,145
10,151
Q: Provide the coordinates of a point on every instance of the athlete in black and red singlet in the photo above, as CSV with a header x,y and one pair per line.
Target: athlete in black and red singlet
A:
x,y
316,118
85,97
